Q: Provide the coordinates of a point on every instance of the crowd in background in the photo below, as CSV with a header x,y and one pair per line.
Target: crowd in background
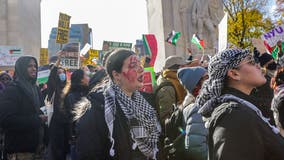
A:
x,y
231,108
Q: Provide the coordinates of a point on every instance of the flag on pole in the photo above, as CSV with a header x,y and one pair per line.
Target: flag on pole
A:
x,y
151,46
197,41
173,37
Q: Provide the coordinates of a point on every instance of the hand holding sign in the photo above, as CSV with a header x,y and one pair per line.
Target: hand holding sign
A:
x,y
259,44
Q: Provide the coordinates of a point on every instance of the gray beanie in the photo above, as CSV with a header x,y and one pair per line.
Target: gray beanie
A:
x,y
218,67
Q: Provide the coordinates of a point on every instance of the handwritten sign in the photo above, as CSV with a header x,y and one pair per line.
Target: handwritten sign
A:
x,y
273,36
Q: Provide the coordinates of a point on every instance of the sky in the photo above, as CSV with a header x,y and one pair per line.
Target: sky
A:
x,y
111,20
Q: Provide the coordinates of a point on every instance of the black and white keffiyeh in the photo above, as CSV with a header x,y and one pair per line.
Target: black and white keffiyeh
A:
x,y
228,98
218,67
144,126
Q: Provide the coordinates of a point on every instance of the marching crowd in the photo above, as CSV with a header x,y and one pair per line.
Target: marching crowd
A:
x,y
230,109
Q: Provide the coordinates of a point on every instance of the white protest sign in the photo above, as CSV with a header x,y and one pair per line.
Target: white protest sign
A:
x,y
86,48
273,36
9,55
71,57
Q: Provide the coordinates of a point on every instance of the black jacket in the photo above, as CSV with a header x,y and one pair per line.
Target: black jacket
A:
x,y
20,120
93,142
236,132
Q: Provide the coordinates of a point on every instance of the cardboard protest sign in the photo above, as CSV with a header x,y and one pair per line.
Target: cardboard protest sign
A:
x,y
43,59
274,35
63,28
149,80
71,57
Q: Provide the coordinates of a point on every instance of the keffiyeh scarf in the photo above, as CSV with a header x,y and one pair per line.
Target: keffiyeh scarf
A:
x,y
218,67
228,98
144,126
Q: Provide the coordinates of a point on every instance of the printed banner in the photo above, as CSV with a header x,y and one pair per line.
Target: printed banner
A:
x,y
72,56
9,55
43,59
109,45
62,36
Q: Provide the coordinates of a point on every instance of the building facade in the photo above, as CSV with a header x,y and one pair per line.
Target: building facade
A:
x,y
78,33
20,25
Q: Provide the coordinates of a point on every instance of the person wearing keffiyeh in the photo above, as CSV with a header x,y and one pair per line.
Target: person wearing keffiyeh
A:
x,y
237,128
118,124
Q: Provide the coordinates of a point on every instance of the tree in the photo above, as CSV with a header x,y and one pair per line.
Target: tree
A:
x,y
246,21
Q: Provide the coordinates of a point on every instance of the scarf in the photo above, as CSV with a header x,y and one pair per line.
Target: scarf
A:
x,y
218,67
228,98
172,77
144,126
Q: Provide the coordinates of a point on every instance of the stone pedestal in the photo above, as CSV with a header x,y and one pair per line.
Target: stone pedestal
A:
x,y
188,17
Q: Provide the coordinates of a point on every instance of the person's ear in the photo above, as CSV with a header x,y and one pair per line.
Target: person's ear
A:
x,y
234,74
116,76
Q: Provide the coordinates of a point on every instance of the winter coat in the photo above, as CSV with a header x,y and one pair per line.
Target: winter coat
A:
x,y
236,132
277,107
59,129
20,120
70,100
92,140
196,133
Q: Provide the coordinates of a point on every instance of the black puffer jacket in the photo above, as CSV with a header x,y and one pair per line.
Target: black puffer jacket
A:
x,y
20,120
236,132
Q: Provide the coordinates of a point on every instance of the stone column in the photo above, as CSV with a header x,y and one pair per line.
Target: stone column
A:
x,y
179,15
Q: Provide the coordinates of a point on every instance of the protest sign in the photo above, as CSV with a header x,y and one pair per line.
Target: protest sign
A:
x,y
62,36
149,80
43,59
109,45
85,49
9,55
274,35
71,56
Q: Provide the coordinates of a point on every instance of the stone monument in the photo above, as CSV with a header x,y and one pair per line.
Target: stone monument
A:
x,y
189,17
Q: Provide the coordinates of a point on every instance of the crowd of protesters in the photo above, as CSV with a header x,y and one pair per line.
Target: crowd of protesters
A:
x,y
230,109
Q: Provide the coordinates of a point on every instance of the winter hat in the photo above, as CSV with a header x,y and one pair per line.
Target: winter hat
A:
x,y
190,76
218,67
264,58
174,60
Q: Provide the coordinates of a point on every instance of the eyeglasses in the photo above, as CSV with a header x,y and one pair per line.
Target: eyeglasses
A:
x,y
249,60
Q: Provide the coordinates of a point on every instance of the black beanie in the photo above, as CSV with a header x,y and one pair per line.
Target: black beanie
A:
x,y
264,58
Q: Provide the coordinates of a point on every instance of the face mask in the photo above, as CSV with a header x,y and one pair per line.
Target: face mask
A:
x,y
62,77
272,66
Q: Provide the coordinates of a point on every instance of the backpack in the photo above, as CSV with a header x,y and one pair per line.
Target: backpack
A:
x,y
159,87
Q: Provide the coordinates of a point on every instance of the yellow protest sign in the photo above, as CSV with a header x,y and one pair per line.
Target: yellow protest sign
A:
x,y
62,36
43,59
94,54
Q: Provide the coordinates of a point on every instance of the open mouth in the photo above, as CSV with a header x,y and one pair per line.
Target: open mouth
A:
x,y
140,79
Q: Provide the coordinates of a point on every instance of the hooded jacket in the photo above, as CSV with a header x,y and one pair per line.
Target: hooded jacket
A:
x,y
19,111
196,133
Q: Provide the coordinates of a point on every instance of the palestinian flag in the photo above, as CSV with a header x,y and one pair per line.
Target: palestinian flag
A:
x,y
274,53
151,47
173,37
196,40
